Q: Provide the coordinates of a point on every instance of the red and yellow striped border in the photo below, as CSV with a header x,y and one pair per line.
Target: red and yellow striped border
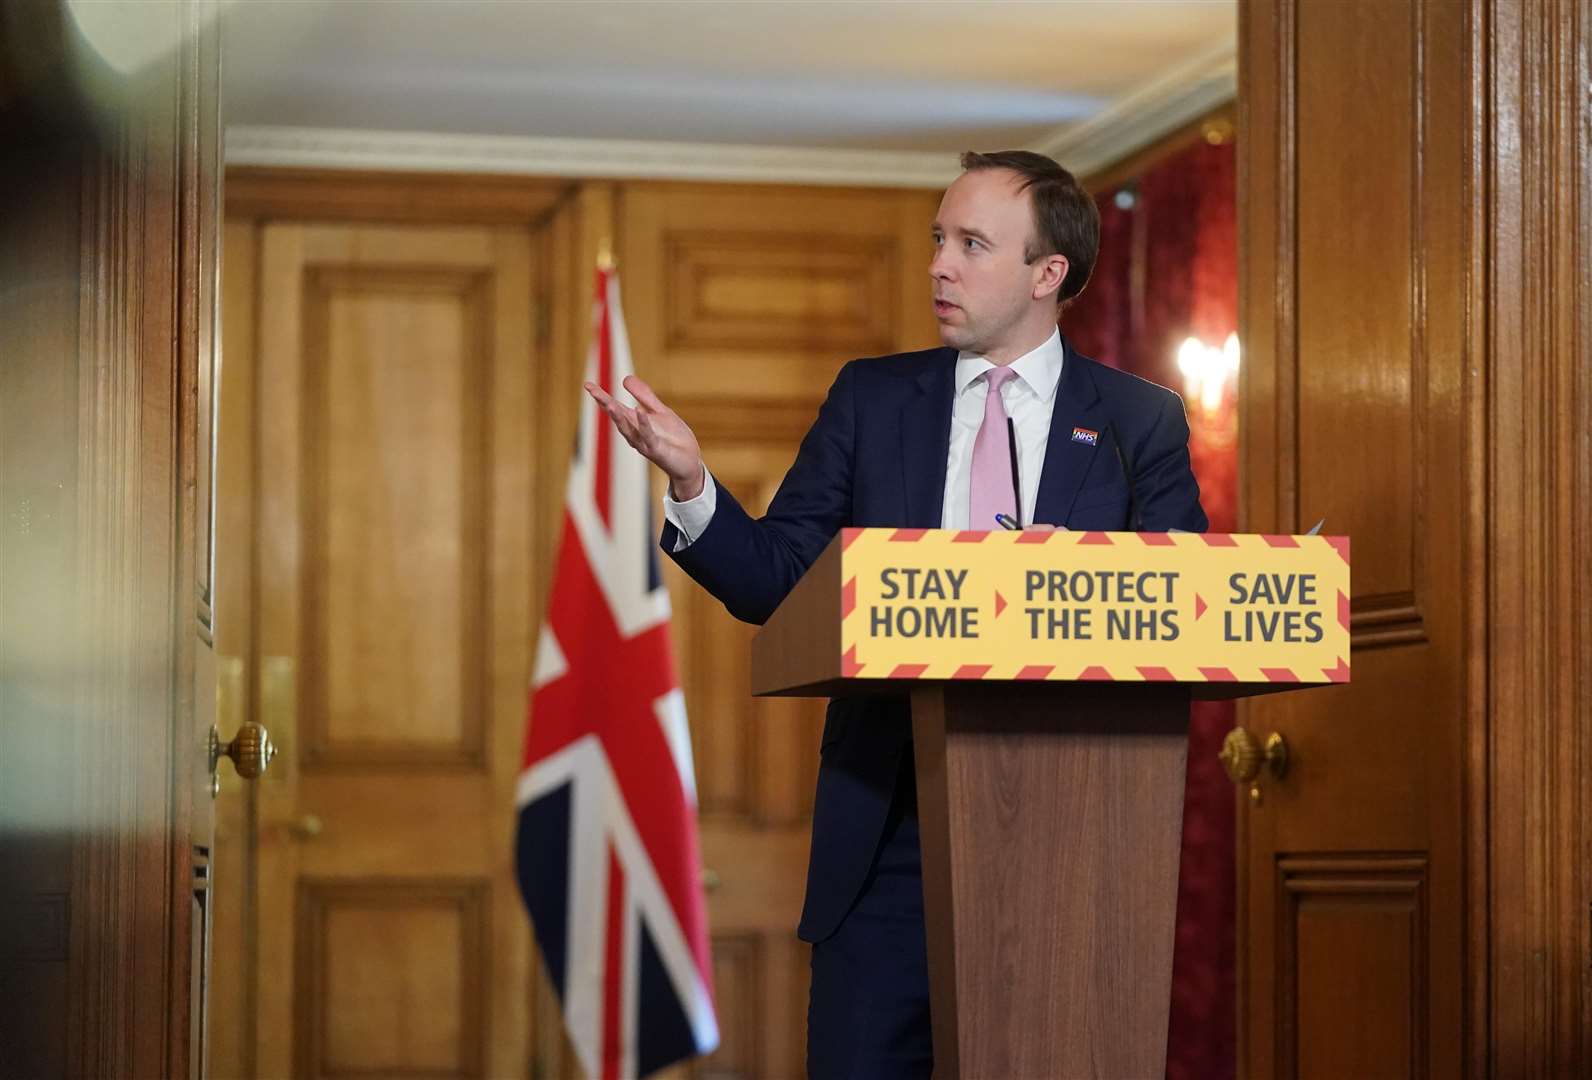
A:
x,y
855,541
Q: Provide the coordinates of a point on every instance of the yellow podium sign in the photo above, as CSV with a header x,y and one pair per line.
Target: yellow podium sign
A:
x,y
1130,607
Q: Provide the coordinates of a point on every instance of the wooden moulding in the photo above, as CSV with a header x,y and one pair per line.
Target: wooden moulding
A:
x,y
255,192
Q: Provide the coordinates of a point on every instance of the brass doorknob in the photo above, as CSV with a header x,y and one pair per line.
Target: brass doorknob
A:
x,y
251,750
1243,757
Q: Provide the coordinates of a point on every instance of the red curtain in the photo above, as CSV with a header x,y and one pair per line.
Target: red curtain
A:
x,y
1168,271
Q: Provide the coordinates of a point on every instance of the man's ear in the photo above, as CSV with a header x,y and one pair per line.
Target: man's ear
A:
x,y
1053,272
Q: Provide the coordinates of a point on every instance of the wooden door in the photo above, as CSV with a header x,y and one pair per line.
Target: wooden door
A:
x,y
393,404
742,303
107,268
1360,338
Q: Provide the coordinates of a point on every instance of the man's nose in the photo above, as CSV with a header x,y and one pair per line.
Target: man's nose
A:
x,y
939,266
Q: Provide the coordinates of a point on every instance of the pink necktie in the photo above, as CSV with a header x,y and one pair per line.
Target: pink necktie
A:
x,y
994,488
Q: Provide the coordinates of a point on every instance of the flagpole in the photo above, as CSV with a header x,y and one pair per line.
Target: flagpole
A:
x,y
631,756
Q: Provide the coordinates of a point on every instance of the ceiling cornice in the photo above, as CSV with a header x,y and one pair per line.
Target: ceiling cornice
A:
x,y
1181,96
399,151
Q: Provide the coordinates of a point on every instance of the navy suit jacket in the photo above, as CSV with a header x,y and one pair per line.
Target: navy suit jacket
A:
x,y
876,455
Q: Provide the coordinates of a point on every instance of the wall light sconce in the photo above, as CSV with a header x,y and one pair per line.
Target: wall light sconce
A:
x,y
1208,370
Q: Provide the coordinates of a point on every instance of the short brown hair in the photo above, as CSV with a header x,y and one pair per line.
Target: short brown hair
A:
x,y
1066,220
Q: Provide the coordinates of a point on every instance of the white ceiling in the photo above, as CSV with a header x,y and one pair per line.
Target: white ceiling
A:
x,y
814,73
905,83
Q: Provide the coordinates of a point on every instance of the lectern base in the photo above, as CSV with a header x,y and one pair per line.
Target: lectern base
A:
x,y
1051,819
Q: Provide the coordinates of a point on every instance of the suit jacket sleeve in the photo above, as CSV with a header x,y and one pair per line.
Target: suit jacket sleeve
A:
x,y
1169,496
750,565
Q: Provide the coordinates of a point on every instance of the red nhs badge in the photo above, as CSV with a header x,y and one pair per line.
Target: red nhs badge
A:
x,y
1084,435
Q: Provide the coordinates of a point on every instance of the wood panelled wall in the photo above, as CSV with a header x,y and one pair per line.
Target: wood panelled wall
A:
x,y
742,302
1415,296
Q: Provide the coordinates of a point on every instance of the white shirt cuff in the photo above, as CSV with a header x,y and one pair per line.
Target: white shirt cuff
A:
x,y
691,518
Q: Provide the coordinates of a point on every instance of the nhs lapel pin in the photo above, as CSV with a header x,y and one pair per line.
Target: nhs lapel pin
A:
x,y
1085,436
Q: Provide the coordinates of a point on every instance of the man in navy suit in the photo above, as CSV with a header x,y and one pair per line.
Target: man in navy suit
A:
x,y
905,441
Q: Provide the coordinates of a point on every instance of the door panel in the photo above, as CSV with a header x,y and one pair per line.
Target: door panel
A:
x,y
1354,945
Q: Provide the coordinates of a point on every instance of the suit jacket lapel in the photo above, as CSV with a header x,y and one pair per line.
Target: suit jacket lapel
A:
x,y
926,441
1067,461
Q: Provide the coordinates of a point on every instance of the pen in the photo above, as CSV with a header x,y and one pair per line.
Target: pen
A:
x,y
1005,522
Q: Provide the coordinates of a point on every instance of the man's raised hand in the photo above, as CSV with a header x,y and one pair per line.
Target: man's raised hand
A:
x,y
658,434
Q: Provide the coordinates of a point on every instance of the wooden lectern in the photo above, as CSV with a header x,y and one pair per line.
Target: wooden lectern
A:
x,y
1050,793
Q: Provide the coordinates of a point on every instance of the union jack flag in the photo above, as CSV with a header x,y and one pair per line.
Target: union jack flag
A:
x,y
607,853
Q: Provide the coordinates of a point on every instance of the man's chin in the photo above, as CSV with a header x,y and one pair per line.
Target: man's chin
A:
x,y
954,337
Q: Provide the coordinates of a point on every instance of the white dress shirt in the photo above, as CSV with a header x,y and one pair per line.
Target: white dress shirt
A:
x,y
1028,398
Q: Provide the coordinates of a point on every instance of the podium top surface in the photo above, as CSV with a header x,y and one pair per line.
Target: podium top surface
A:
x,y
1230,614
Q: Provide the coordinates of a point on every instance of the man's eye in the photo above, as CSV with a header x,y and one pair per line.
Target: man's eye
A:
x,y
971,243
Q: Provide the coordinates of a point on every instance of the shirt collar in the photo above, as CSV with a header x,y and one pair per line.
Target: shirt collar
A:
x,y
1040,368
